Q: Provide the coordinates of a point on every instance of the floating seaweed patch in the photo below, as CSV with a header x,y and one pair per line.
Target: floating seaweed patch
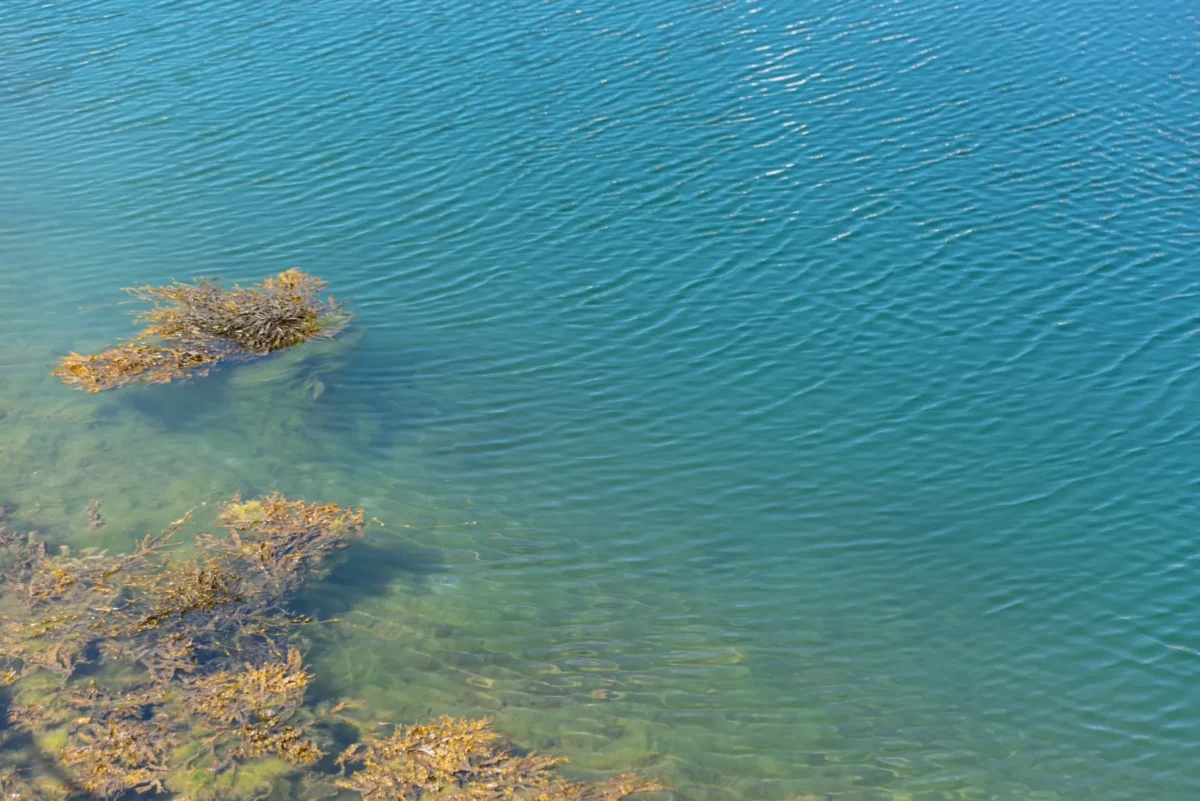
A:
x,y
193,327
179,671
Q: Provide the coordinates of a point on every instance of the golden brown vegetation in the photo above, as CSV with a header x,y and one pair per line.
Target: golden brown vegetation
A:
x,y
179,671
192,327
462,759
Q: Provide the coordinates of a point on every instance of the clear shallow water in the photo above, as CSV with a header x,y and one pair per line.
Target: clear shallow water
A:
x,y
787,400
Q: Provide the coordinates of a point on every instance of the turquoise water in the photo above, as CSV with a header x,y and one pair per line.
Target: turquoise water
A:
x,y
792,401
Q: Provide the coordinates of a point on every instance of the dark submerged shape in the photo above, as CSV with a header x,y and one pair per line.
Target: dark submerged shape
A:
x,y
194,326
195,679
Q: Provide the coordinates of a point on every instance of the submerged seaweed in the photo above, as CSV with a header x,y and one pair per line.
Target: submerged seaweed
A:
x,y
192,327
179,670
463,759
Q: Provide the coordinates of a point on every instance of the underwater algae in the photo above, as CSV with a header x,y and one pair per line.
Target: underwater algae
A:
x,y
178,669
194,326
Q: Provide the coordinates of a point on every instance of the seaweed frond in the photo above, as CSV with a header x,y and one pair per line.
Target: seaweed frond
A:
x,y
465,759
115,746
285,540
257,703
142,362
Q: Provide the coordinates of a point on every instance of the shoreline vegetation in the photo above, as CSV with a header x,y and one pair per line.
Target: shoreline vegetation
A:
x,y
178,669
193,327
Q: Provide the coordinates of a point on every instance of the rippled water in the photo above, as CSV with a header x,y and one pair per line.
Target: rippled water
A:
x,y
788,400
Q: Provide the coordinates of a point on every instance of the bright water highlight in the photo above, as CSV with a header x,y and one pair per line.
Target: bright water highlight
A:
x,y
786,400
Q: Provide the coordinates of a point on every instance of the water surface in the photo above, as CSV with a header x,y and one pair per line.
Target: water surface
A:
x,y
788,400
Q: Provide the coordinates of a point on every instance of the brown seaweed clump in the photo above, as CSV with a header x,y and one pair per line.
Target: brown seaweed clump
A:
x,y
179,671
462,759
192,327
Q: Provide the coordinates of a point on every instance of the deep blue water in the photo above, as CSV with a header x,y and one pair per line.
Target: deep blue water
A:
x,y
792,400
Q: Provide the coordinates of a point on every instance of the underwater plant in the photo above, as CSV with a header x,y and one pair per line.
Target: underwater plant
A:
x,y
177,669
462,759
193,327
